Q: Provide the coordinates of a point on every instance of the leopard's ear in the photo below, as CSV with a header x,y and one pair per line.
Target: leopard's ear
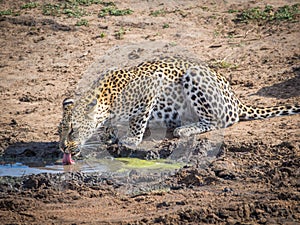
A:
x,y
68,104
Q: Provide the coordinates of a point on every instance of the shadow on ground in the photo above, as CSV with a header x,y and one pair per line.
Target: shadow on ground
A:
x,y
287,89
37,153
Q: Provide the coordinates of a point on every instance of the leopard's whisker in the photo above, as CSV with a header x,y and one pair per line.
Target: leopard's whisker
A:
x,y
92,144
98,145
89,147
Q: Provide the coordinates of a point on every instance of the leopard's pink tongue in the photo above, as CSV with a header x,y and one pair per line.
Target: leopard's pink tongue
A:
x,y
67,159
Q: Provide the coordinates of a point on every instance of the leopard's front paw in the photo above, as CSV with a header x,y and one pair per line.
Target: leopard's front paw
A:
x,y
179,132
130,141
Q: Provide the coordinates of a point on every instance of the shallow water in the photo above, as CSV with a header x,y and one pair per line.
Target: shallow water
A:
x,y
19,169
107,166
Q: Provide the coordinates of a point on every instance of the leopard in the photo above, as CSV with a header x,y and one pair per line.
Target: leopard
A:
x,y
161,89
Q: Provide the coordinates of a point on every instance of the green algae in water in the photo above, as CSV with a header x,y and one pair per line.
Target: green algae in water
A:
x,y
124,165
160,165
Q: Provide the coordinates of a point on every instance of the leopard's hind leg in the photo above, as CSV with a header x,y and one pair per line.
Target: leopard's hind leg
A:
x,y
211,98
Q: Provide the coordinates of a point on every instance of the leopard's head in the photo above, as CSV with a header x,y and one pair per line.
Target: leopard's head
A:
x,y
68,138
78,124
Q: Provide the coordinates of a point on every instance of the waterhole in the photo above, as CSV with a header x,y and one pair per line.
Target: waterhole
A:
x,y
101,166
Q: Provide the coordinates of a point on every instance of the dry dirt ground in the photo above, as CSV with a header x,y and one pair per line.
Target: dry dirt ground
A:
x,y
255,181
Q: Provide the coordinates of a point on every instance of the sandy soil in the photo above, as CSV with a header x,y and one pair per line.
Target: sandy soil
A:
x,y
255,181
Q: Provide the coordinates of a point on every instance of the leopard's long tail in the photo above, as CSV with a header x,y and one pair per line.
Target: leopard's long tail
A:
x,y
256,113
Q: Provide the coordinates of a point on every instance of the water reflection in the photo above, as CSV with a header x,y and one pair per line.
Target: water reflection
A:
x,y
101,166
